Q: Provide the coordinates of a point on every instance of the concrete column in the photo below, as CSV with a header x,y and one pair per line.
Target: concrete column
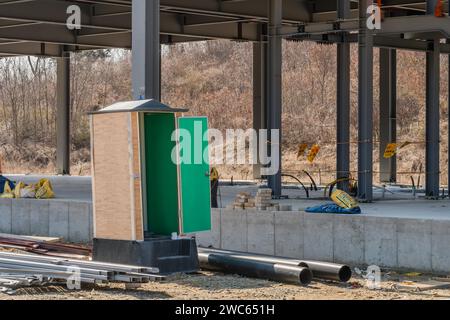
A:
x,y
275,84
432,114
146,49
343,101
388,112
365,107
63,115
259,92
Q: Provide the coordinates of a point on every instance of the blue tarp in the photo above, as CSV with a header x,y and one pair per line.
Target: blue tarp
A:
x,y
333,208
3,181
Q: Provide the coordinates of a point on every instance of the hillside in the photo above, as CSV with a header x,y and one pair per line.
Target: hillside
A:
x,y
212,79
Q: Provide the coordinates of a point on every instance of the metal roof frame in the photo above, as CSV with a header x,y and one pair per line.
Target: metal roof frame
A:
x,y
38,27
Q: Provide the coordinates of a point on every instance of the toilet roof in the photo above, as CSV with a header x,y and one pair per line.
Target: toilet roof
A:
x,y
148,106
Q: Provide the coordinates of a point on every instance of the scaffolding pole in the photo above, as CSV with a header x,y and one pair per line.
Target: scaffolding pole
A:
x,y
274,114
146,68
388,113
365,106
63,115
432,113
259,91
343,101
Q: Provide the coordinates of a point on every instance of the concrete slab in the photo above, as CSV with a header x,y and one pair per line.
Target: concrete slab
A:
x,y
348,239
289,233
79,229
440,242
21,219
5,215
59,219
405,232
318,239
380,238
39,217
261,232
414,244
234,230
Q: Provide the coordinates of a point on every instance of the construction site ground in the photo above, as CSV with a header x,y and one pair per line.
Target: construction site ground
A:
x,y
215,286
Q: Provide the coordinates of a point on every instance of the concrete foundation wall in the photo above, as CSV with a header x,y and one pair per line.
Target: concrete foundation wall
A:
x,y
356,240
70,220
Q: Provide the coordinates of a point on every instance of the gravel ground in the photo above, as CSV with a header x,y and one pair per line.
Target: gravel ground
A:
x,y
206,285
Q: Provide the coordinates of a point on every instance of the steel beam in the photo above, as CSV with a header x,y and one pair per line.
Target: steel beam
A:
x,y
259,93
63,115
365,106
274,114
432,122
388,113
343,101
432,114
146,49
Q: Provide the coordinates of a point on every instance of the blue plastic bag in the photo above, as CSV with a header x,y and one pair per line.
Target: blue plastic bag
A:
x,y
333,208
3,181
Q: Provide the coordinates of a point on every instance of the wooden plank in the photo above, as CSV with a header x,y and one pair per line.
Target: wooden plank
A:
x,y
138,215
112,177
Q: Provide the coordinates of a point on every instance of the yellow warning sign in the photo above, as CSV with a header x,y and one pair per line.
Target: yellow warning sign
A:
x,y
343,199
301,150
313,153
390,151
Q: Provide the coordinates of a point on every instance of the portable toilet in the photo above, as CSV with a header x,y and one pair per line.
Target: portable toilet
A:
x,y
148,200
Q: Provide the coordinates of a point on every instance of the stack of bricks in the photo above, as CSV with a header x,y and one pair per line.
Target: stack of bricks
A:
x,y
263,199
262,202
243,201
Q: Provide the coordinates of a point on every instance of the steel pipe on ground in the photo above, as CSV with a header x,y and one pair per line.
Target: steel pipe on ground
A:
x,y
263,270
320,270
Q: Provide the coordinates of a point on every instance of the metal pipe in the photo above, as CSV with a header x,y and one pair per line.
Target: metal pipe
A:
x,y
320,270
257,269
80,263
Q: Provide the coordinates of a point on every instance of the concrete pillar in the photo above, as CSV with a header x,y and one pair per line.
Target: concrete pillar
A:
x,y
343,101
146,49
388,113
432,114
259,92
275,83
365,107
63,115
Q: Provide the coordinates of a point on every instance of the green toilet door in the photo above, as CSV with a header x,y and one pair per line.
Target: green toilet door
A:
x,y
194,175
161,174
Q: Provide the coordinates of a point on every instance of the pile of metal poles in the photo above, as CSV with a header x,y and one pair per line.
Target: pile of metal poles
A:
x,y
272,268
24,270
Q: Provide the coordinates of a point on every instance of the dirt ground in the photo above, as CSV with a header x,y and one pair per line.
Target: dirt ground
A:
x,y
213,286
